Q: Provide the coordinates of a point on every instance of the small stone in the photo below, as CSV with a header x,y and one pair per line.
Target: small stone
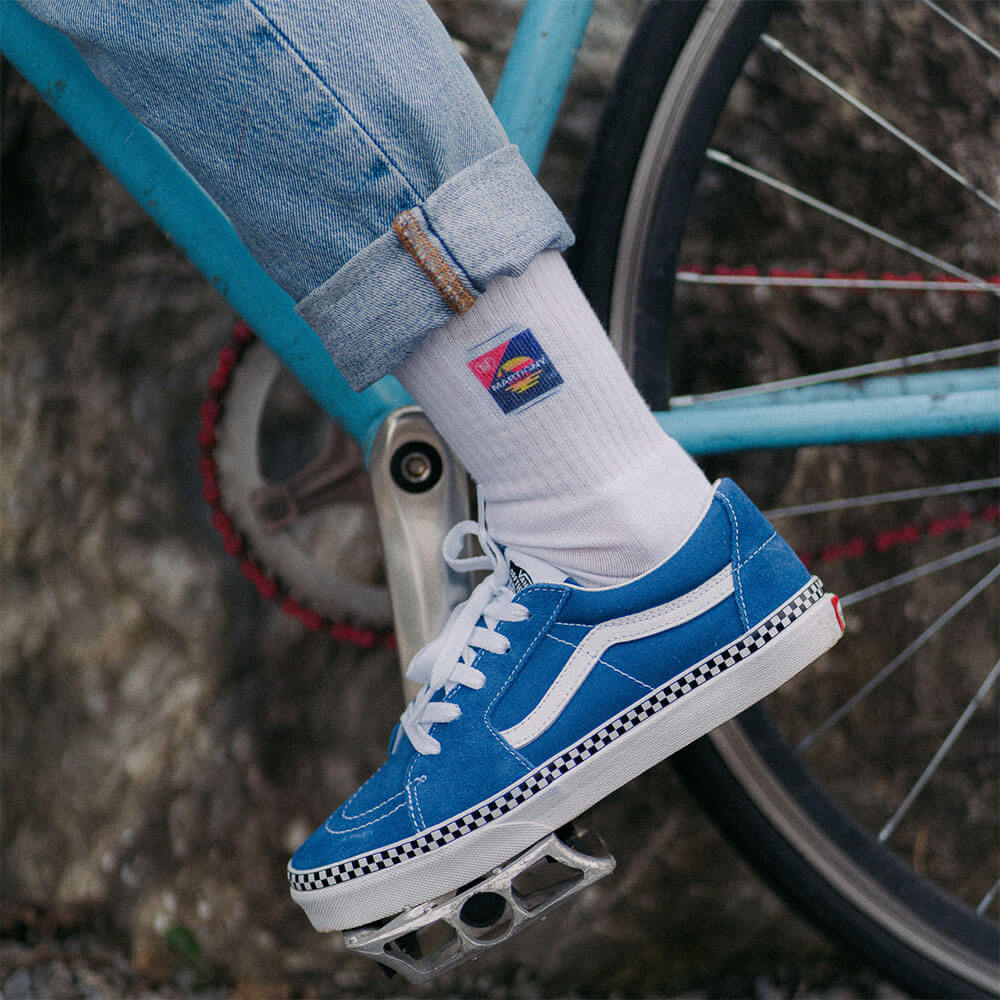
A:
x,y
94,985
18,986
55,982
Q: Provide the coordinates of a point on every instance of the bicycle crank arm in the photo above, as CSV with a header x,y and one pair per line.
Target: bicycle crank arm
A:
x,y
419,491
424,941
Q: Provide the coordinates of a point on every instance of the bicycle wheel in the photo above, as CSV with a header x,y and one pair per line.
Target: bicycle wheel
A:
x,y
866,792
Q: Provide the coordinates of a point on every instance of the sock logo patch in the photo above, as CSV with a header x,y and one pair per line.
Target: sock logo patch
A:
x,y
514,368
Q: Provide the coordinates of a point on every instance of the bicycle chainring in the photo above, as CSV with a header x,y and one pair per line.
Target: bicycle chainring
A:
x,y
290,496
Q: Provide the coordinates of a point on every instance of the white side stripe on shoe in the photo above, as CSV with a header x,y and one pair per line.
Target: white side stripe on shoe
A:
x,y
601,638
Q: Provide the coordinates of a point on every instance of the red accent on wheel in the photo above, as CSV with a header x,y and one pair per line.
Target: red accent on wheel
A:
x,y
232,540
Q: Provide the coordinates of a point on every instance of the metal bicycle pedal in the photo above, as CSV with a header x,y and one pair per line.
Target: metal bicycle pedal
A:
x,y
424,941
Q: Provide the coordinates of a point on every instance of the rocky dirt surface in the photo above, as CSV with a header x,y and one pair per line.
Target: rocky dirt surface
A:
x,y
169,738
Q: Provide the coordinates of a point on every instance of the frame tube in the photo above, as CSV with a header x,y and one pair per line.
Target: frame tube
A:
x,y
192,221
537,72
710,428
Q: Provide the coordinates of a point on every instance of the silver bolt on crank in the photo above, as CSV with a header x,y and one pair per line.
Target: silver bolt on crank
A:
x,y
424,941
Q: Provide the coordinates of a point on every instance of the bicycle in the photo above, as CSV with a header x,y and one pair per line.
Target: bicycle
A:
x,y
915,952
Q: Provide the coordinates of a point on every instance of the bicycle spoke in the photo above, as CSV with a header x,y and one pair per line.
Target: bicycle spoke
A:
x,y
920,571
903,284
852,220
968,32
949,741
877,498
775,46
988,898
890,668
841,374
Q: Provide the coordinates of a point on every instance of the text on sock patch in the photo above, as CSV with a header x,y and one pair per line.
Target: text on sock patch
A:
x,y
514,368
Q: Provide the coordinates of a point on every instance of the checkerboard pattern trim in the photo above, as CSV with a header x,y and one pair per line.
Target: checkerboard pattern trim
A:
x,y
545,775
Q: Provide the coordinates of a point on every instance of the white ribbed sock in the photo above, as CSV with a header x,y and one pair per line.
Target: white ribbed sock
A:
x,y
578,473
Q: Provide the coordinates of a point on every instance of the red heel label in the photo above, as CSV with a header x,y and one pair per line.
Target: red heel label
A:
x,y
836,607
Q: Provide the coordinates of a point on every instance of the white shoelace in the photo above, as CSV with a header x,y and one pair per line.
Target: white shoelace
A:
x,y
447,661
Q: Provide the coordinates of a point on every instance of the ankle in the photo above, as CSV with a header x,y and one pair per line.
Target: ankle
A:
x,y
609,534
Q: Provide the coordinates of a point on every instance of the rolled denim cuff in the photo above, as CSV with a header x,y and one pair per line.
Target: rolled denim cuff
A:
x,y
490,219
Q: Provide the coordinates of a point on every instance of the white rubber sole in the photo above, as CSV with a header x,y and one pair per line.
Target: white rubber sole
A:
x,y
417,880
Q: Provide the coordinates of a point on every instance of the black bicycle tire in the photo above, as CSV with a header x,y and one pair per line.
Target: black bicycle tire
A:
x,y
734,807
642,75
711,779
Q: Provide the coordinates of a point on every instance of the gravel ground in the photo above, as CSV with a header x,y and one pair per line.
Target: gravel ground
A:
x,y
76,955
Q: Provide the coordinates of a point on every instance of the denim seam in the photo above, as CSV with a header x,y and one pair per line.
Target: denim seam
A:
x,y
291,47
455,263
431,261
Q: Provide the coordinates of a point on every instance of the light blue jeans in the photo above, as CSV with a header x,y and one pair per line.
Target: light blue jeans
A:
x,y
347,142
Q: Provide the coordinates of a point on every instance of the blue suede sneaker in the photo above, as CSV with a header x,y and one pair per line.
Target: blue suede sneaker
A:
x,y
541,697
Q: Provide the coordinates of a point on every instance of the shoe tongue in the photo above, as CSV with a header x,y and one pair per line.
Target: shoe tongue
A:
x,y
526,570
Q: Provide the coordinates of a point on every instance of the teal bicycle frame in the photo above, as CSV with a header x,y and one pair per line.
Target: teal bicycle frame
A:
x,y
527,102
